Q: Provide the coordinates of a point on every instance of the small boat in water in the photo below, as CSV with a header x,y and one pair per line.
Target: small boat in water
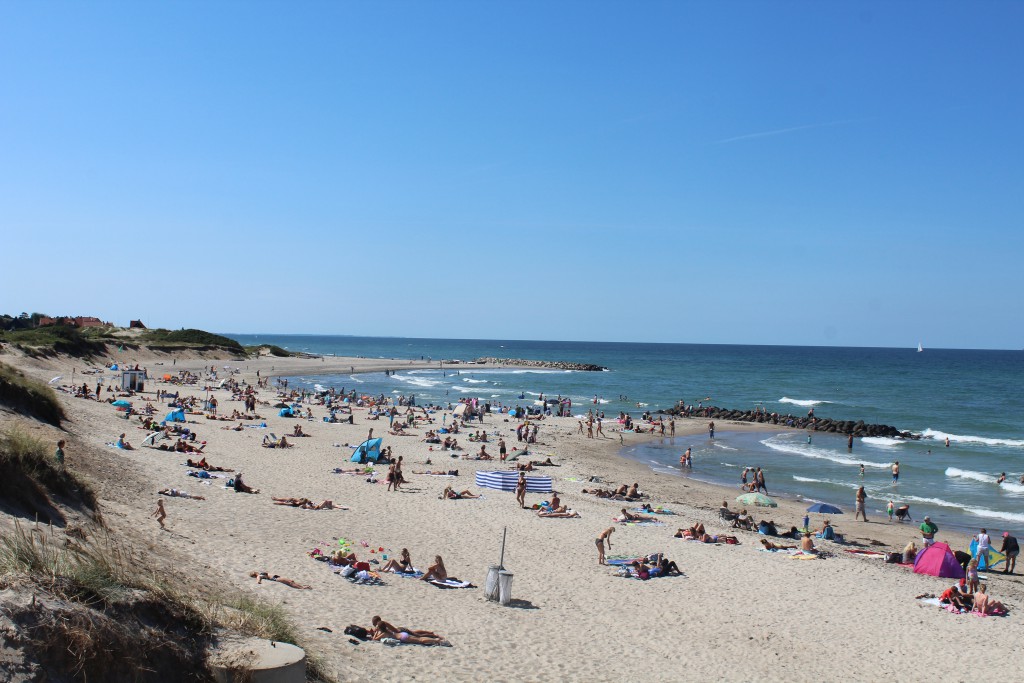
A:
x,y
919,347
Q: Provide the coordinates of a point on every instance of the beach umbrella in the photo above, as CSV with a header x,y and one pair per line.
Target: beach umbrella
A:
x,y
825,509
758,499
121,403
460,409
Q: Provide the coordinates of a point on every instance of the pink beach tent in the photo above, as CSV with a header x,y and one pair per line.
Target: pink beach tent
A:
x,y
938,560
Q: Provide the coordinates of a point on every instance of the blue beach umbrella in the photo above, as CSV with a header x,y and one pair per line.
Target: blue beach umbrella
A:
x,y
825,509
121,404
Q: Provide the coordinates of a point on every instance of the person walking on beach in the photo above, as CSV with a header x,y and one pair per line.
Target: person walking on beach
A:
x,y
1011,549
861,499
711,429
600,428
160,513
895,472
502,450
890,509
605,537
759,480
59,454
521,490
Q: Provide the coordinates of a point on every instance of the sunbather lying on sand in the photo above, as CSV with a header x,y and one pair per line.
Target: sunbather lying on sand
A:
x,y
175,493
439,473
559,512
264,576
203,465
281,443
776,546
628,516
382,629
543,463
449,492
304,503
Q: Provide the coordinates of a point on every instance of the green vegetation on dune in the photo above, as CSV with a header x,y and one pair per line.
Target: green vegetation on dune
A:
x,y
271,349
54,339
190,337
28,396
30,478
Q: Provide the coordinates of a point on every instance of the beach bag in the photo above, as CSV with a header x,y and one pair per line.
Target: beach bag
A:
x,y
348,571
357,631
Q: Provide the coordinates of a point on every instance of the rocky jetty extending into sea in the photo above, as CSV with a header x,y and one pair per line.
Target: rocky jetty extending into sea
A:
x,y
554,365
856,428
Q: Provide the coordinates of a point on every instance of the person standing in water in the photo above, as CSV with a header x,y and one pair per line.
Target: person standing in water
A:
x,y
849,443
862,470
711,429
896,473
889,509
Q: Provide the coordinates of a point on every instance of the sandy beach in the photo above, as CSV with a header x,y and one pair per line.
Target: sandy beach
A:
x,y
737,613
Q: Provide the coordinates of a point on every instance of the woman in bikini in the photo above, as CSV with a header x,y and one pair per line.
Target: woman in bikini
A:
x,y
382,629
403,565
605,537
436,571
449,493
264,576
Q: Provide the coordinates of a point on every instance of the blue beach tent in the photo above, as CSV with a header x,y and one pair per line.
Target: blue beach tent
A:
x,y
175,416
367,451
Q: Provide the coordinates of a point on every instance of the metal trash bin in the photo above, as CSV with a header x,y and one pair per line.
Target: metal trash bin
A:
x,y
491,585
505,587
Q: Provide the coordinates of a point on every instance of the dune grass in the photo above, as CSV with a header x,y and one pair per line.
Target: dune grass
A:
x,y
28,396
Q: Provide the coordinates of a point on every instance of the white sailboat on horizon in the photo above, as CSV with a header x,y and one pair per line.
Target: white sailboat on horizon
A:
x,y
919,347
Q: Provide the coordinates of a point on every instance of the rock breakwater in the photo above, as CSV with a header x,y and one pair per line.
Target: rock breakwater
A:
x,y
548,364
857,428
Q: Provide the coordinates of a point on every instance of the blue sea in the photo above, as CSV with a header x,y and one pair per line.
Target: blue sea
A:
x,y
972,397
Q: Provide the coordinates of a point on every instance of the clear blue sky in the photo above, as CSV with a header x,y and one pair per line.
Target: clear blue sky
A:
x,y
770,172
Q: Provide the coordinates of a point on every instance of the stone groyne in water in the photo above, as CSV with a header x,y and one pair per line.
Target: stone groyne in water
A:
x,y
554,365
857,428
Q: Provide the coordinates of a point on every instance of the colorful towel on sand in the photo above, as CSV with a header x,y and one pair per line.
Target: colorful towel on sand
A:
x,y
414,574
628,523
655,511
373,580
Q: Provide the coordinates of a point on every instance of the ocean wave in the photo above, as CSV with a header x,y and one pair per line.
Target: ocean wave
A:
x,y
474,381
416,381
808,451
979,512
806,403
355,379
968,474
996,514
844,484
960,438
724,447
882,441
1010,486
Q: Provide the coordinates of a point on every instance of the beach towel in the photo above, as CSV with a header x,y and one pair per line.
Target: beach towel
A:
x,y
365,578
451,583
655,511
628,523
414,574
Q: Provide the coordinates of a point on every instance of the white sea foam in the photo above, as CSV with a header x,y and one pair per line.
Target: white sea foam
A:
x,y
844,484
959,438
996,514
355,379
806,403
1010,486
474,381
417,381
319,388
968,474
724,447
809,451
882,441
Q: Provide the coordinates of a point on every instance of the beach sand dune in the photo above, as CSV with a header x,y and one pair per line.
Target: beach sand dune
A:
x,y
737,614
